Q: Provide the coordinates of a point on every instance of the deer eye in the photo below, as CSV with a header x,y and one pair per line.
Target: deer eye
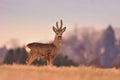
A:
x,y
57,33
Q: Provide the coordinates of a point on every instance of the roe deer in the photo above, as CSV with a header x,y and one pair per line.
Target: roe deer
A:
x,y
46,51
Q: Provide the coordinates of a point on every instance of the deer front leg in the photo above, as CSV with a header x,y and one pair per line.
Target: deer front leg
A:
x,y
50,60
39,57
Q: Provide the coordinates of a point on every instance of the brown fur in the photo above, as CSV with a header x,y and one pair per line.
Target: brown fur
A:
x,y
46,51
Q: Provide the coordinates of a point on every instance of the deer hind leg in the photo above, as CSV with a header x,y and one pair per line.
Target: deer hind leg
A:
x,y
31,57
29,52
28,61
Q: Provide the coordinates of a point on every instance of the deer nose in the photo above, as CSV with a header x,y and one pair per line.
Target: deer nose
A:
x,y
59,37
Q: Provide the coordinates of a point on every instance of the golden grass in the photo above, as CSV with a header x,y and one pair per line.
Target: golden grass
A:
x,y
24,72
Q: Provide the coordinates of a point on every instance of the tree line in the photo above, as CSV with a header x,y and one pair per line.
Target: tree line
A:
x,y
85,47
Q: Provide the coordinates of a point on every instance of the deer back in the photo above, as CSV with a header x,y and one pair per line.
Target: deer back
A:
x,y
42,49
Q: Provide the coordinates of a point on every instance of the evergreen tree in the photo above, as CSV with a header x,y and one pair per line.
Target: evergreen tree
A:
x,y
110,51
17,55
9,57
109,37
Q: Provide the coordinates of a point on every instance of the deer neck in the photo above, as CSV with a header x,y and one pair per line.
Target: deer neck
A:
x,y
57,43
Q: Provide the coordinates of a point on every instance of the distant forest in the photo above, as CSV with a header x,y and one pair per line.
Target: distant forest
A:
x,y
90,47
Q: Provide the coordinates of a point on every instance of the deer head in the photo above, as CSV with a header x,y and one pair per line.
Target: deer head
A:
x,y
59,31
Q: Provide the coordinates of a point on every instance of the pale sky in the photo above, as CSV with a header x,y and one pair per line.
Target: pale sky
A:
x,y
32,20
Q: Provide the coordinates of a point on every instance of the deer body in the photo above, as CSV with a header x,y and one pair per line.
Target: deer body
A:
x,y
45,51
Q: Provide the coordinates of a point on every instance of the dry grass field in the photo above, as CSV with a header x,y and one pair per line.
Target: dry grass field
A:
x,y
24,72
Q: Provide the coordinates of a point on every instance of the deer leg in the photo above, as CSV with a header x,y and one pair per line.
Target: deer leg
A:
x,y
27,60
49,60
39,57
29,57
30,60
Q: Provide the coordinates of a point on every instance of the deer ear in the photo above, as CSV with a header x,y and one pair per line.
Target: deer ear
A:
x,y
54,29
63,30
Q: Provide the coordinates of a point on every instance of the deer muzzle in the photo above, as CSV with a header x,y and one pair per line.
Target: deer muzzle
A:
x,y
59,37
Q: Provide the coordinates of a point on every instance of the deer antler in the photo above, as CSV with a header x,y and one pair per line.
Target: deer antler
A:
x,y
61,24
57,25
